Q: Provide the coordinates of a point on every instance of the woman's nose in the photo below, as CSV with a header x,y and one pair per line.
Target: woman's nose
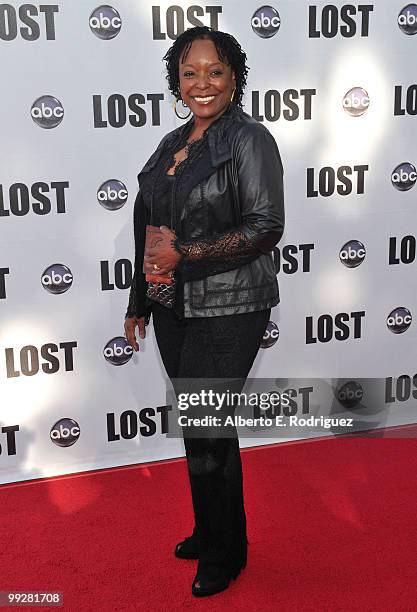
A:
x,y
202,81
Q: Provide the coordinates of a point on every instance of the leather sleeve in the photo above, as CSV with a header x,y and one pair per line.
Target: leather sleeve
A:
x,y
260,187
258,174
137,306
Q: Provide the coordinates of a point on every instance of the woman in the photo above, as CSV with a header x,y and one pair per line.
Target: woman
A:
x,y
215,188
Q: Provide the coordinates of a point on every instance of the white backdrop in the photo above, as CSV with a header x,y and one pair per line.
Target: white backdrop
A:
x,y
84,103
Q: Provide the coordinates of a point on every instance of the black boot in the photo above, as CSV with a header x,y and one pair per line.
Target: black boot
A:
x,y
212,579
188,548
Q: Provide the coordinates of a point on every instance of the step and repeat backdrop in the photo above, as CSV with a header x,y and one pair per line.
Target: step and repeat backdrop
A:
x,y
84,103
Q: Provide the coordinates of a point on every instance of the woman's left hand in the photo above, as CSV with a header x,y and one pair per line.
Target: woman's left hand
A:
x,y
164,255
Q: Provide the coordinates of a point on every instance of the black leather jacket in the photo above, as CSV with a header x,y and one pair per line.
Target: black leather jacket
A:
x,y
231,202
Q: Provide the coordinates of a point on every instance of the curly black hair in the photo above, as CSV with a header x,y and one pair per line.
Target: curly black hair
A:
x,y
228,50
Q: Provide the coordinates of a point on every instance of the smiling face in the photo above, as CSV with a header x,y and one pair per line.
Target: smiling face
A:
x,y
206,83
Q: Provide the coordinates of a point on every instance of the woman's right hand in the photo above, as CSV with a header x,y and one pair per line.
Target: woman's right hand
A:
x,y
130,326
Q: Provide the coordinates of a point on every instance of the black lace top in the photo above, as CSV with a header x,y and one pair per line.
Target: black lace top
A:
x,y
162,205
200,257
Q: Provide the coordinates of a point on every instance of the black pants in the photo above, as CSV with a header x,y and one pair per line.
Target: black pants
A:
x,y
213,347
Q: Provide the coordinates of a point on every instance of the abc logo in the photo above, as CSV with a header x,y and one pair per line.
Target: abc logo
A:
x,y
57,278
265,22
105,22
407,19
118,351
404,176
112,194
356,101
65,432
399,320
47,112
270,336
350,395
352,253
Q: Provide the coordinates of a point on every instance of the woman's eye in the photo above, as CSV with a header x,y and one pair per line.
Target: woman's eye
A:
x,y
189,73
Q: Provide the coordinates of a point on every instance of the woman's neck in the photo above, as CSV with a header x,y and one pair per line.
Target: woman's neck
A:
x,y
201,125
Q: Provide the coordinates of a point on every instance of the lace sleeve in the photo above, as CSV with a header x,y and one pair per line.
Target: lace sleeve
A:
x,y
133,301
227,246
202,257
133,308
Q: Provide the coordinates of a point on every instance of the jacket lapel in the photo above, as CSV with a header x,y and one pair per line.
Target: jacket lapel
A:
x,y
216,154
165,143
218,146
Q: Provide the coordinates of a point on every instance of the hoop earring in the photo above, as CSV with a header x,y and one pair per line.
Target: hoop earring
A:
x,y
233,95
175,109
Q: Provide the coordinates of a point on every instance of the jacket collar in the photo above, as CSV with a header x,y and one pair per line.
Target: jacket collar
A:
x,y
218,145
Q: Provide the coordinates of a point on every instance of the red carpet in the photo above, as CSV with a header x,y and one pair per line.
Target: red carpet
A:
x,y
331,525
